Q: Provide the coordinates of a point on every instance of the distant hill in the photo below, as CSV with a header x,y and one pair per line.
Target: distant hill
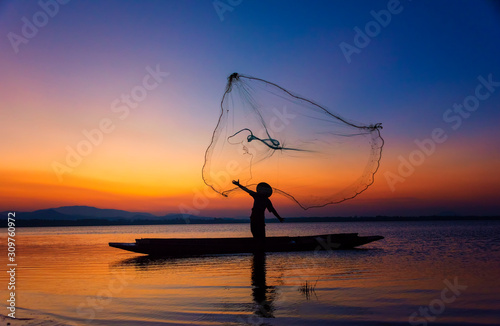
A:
x,y
87,215
99,212
43,214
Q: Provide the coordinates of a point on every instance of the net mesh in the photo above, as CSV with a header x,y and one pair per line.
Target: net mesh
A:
x,y
305,152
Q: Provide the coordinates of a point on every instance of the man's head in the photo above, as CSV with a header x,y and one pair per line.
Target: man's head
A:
x,y
264,189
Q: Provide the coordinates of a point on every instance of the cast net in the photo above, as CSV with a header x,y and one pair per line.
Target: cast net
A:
x,y
305,152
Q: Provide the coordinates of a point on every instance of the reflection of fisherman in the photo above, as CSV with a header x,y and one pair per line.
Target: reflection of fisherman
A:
x,y
261,202
263,295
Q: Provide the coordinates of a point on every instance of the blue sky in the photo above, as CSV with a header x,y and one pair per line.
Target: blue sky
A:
x,y
426,59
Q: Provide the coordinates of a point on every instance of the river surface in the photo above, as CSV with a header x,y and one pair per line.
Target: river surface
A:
x,y
422,273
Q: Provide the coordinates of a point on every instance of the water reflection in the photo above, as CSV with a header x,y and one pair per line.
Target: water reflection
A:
x,y
263,295
380,286
145,262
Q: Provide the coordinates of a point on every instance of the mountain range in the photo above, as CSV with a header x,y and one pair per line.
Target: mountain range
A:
x,y
87,215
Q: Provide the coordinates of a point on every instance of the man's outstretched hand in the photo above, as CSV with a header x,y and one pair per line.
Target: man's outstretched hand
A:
x,y
236,182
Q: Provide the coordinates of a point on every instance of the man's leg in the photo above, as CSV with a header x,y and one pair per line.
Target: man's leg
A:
x,y
258,231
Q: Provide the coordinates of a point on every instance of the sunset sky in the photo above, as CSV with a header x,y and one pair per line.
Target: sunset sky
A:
x,y
71,79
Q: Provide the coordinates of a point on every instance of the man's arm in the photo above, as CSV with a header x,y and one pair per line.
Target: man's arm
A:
x,y
237,182
271,208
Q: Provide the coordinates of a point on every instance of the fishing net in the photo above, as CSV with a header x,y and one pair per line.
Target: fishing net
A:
x,y
305,152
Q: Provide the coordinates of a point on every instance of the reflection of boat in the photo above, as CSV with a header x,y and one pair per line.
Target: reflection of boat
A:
x,y
207,246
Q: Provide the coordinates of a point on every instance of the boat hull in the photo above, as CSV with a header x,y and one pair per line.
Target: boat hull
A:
x,y
211,246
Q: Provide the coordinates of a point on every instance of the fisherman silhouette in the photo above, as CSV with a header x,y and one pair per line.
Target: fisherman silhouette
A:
x,y
260,203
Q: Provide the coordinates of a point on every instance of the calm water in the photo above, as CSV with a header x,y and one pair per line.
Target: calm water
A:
x,y
448,271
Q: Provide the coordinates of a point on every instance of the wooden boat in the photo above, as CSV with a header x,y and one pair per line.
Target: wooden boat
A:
x,y
210,246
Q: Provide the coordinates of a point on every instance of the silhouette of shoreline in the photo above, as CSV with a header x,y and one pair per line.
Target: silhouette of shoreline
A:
x,y
26,221
31,319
